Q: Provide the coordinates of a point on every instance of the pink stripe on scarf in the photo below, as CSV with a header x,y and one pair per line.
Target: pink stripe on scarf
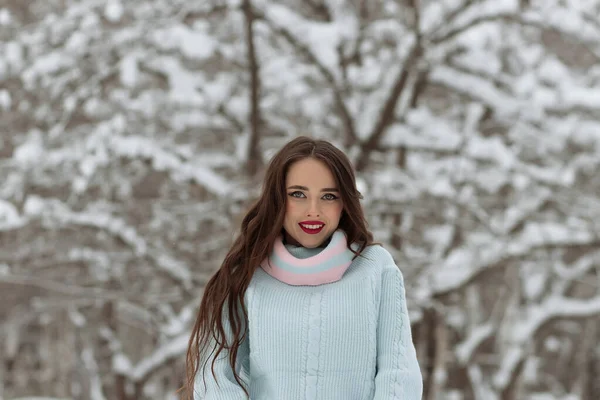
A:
x,y
319,278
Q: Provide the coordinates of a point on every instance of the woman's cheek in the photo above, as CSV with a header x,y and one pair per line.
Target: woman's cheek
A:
x,y
290,207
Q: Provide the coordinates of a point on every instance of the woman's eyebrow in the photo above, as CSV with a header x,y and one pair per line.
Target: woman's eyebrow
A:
x,y
299,187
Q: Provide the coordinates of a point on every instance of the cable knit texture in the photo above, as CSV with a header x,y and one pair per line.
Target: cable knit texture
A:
x,y
345,340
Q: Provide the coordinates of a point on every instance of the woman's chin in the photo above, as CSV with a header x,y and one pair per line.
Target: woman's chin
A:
x,y
311,241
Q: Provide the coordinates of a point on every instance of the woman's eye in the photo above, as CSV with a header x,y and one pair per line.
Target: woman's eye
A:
x,y
297,194
330,196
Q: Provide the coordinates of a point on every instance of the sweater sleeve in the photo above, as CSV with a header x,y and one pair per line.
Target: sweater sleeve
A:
x,y
398,374
225,386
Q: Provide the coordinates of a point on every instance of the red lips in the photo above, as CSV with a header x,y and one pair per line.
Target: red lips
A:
x,y
311,231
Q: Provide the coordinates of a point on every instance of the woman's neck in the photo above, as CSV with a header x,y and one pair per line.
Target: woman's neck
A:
x,y
289,239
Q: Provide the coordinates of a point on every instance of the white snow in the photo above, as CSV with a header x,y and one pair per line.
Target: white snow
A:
x,y
34,206
536,234
552,343
322,38
510,360
465,262
76,317
183,83
121,363
563,20
174,267
535,315
12,53
47,65
491,179
521,209
39,398
173,349
477,88
535,284
129,70
89,359
423,131
31,150
485,9
193,44
490,149
5,16
449,188
113,11
137,146
553,70
584,97
77,42
578,268
9,216
466,348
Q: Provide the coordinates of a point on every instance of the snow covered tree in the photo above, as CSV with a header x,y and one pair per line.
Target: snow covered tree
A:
x,y
134,133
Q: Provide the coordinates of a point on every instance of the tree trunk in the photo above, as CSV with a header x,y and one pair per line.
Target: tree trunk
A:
x,y
254,158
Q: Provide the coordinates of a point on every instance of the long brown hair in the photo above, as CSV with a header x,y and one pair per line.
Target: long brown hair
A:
x,y
259,229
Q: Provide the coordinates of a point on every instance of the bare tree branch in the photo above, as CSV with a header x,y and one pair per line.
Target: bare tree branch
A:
x,y
304,50
511,16
455,13
554,308
477,272
230,118
320,9
387,116
452,33
172,350
81,291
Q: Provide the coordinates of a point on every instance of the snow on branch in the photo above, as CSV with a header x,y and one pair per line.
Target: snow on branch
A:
x,y
564,21
174,349
117,227
40,398
55,209
561,20
535,317
520,211
573,98
62,288
95,381
321,39
163,160
465,350
579,268
466,264
322,61
471,23
433,136
9,216
173,267
388,111
477,88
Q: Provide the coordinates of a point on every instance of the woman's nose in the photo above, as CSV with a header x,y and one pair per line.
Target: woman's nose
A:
x,y
313,209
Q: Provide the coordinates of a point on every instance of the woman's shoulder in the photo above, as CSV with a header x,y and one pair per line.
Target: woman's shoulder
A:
x,y
378,256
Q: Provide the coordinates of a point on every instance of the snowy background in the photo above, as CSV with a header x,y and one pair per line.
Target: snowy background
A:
x,y
133,134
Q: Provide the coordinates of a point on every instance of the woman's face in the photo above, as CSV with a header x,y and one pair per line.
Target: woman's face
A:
x,y
313,205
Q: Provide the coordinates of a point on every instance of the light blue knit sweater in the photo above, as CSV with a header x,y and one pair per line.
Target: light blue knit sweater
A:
x,y
346,340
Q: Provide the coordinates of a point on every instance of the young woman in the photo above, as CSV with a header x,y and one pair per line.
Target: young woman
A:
x,y
305,305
